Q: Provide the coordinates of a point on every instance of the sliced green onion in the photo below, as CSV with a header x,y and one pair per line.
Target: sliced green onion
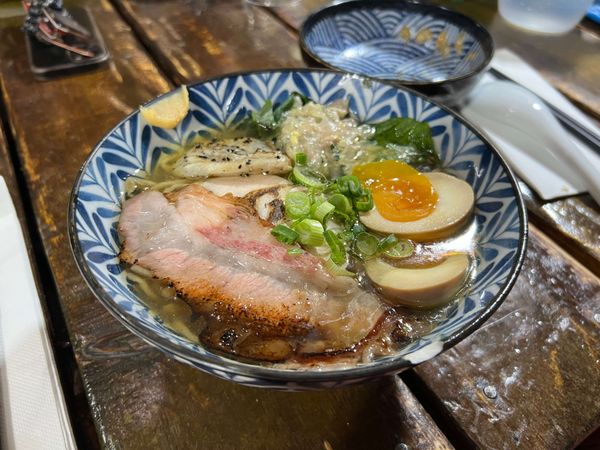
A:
x,y
337,270
295,251
347,219
320,211
342,184
387,243
342,203
357,228
310,232
350,185
354,186
402,249
338,252
366,244
365,202
332,188
301,158
297,204
346,236
316,195
308,177
285,234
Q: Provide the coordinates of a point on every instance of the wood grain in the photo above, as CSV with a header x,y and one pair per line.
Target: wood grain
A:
x,y
140,398
8,173
530,376
572,422
537,358
201,39
572,222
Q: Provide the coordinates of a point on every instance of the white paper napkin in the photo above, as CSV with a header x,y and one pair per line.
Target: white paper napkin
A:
x,y
34,415
539,174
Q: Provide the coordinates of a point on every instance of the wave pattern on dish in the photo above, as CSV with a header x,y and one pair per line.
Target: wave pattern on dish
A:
x,y
391,44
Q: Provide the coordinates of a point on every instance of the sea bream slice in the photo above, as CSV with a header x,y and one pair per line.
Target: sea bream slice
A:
x,y
228,157
224,261
265,193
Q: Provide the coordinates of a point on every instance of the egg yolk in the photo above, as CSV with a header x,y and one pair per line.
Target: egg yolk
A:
x,y
400,193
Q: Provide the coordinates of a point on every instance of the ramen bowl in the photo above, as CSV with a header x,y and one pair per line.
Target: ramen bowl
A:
x,y
217,104
439,52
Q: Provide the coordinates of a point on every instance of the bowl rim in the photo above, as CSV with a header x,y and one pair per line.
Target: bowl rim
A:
x,y
481,34
239,368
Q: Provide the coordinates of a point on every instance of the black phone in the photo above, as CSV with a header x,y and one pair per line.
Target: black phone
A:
x,y
47,60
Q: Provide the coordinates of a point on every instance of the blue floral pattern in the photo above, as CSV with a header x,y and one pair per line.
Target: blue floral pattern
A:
x,y
134,146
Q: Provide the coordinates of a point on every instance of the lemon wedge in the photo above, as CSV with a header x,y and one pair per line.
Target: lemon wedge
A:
x,y
168,111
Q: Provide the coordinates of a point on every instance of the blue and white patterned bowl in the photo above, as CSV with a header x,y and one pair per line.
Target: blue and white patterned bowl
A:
x,y
216,104
437,51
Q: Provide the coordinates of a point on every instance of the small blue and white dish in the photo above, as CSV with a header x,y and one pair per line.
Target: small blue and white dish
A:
x,y
501,226
439,52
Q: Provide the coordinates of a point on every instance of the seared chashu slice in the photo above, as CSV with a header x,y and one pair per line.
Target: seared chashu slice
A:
x,y
228,157
223,260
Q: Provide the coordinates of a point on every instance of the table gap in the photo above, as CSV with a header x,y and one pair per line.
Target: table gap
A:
x,y
151,50
565,242
434,407
62,350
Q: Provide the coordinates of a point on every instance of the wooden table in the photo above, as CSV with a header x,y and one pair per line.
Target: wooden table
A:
x,y
529,378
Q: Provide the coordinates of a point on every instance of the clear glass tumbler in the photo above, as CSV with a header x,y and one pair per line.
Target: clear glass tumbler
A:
x,y
544,16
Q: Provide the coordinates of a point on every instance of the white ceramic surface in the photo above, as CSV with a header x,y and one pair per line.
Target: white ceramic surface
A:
x,y
514,115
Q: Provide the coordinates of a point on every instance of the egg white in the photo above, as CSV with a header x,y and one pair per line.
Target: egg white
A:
x,y
453,209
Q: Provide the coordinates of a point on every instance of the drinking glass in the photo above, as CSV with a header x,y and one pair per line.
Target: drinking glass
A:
x,y
544,16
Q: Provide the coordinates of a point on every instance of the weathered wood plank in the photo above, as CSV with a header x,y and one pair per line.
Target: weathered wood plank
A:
x,y
525,294
538,355
530,377
8,173
193,40
82,426
572,222
139,397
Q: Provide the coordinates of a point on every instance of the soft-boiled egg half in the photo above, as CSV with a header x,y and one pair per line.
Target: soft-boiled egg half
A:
x,y
419,287
421,207
413,205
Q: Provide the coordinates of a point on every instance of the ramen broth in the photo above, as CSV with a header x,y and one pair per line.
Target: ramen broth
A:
x,y
398,327
401,327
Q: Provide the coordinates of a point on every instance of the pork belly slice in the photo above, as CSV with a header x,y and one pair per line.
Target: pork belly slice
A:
x,y
223,260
